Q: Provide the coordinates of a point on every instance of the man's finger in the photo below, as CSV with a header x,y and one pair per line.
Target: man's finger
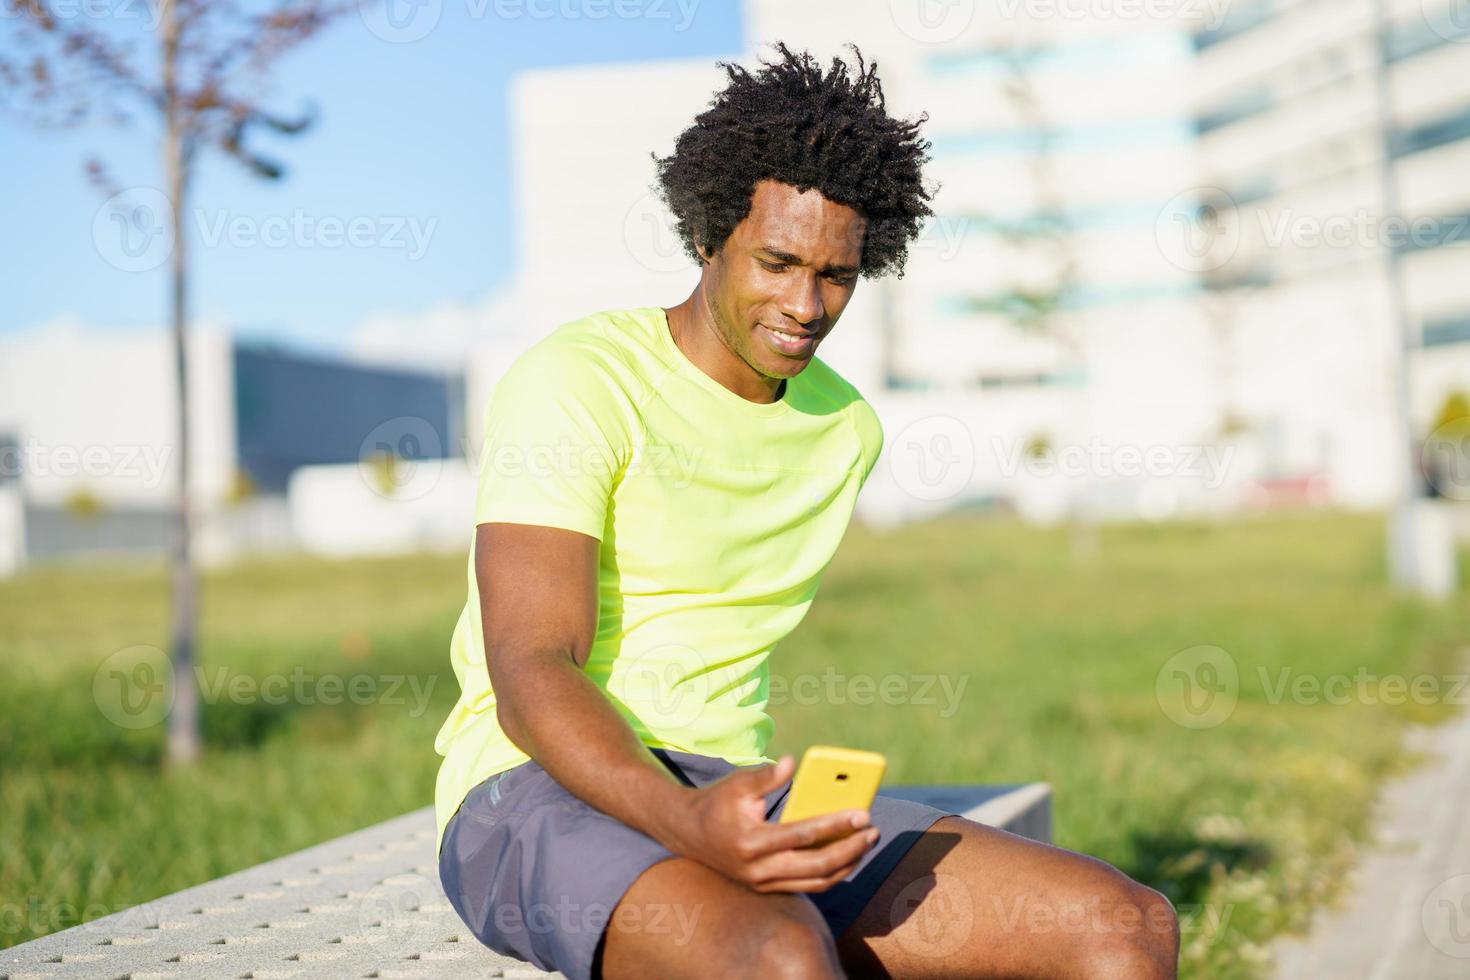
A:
x,y
808,884
812,831
814,862
770,838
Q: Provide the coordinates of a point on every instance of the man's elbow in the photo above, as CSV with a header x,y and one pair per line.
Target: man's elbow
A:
x,y
503,684
529,679
519,683
509,722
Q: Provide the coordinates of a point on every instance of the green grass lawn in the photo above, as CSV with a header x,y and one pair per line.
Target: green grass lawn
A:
x,y
967,649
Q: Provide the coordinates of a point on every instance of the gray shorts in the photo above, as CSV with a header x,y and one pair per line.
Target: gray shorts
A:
x,y
536,873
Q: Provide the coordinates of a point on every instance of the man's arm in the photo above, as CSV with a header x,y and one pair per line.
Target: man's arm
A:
x,y
538,603
538,606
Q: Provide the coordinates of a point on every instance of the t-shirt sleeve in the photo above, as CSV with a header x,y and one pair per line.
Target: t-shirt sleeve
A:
x,y
557,436
870,430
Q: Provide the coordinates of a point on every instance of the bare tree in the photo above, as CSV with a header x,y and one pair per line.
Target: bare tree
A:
x,y
200,71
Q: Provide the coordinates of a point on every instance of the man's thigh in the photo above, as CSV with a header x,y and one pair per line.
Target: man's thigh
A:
x,y
683,919
969,900
540,875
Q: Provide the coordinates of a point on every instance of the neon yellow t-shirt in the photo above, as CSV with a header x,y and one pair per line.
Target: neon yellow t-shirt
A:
x,y
716,514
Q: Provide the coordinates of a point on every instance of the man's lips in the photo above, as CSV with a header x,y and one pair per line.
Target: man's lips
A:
x,y
789,342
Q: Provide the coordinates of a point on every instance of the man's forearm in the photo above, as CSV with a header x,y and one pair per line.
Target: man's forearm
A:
x,y
558,716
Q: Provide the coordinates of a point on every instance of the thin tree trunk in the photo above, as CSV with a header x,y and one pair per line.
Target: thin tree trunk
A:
x,y
183,720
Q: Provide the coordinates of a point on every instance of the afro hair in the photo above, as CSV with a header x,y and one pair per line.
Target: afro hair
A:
x,y
791,123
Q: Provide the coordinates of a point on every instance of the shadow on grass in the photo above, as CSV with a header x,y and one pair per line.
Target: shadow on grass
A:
x,y
1183,865
245,726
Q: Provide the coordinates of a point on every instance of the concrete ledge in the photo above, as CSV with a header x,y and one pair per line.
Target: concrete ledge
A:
x,y
364,905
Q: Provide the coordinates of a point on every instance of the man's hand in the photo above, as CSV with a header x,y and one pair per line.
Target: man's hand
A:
x,y
724,827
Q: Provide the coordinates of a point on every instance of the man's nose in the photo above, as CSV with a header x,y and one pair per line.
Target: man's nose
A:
x,y
803,300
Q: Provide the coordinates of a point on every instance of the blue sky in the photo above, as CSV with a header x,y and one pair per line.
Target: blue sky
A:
x,y
412,131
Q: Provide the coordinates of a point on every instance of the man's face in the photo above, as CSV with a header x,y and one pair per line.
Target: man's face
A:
x,y
781,280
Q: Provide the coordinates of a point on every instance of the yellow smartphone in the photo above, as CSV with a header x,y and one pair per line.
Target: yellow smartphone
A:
x,y
831,779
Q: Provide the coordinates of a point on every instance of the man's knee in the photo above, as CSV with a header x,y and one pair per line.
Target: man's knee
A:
x,y
794,944
1138,939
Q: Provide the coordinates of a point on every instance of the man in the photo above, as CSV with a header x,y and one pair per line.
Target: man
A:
x,y
660,493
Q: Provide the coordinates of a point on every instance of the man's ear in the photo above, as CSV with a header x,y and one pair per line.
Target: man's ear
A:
x,y
705,255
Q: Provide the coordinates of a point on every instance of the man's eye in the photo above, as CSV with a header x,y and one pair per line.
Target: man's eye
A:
x,y
773,266
842,280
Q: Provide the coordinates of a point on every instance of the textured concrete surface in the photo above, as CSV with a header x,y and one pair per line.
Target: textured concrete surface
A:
x,y
1406,914
365,905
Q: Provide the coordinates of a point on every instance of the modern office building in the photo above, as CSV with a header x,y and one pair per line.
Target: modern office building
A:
x,y
1310,115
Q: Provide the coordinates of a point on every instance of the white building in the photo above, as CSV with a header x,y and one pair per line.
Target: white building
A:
x,y
1058,146
1293,150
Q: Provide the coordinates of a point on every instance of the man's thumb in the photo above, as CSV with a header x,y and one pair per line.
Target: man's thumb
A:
x,y
767,778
